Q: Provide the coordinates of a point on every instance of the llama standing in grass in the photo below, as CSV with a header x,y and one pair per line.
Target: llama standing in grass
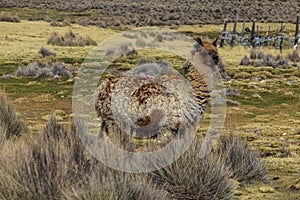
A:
x,y
154,98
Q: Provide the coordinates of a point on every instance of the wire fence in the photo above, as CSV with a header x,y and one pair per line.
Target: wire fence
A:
x,y
257,39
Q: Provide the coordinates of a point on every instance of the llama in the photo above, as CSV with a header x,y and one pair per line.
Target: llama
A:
x,y
155,98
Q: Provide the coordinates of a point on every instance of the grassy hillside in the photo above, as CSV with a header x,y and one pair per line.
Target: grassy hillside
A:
x,y
153,12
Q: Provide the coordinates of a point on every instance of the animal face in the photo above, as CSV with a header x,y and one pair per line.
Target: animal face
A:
x,y
211,49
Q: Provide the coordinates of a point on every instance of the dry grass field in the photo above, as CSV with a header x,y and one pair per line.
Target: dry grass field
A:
x,y
268,116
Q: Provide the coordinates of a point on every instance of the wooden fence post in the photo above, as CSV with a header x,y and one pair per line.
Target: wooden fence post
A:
x,y
297,30
252,34
234,31
281,43
223,33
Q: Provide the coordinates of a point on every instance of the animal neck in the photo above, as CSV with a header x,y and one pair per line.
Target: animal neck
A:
x,y
198,82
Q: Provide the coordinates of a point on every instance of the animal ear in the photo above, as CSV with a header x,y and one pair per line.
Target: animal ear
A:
x,y
199,41
215,43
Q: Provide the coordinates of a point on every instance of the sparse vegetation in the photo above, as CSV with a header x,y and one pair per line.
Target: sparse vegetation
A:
x,y
46,52
244,162
167,13
10,125
45,165
43,71
8,18
191,177
258,59
60,24
294,57
70,39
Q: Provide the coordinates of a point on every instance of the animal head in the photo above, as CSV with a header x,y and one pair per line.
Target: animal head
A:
x,y
211,49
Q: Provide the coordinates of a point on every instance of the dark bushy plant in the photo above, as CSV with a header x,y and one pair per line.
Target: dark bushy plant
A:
x,y
245,163
192,177
10,124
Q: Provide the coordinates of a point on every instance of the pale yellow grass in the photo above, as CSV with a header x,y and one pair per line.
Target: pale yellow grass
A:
x,y
20,42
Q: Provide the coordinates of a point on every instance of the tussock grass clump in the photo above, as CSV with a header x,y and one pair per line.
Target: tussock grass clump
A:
x,y
118,186
45,165
245,61
32,69
294,57
192,177
259,59
268,60
53,164
70,39
244,162
253,54
9,18
60,24
46,52
141,43
10,124
43,71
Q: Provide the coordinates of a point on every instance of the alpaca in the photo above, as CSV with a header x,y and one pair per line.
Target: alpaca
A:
x,y
211,48
154,98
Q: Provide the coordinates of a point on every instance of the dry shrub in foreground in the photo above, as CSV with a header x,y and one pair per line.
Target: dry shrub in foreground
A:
x,y
43,166
121,186
192,177
294,57
10,125
245,163
9,18
70,39
53,164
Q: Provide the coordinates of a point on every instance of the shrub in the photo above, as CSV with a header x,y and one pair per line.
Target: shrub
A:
x,y
260,55
7,76
60,24
70,39
46,52
118,186
232,92
294,57
140,43
46,165
32,69
110,52
124,48
43,71
281,62
9,18
245,61
60,69
130,36
159,38
192,177
253,54
268,60
10,124
244,162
